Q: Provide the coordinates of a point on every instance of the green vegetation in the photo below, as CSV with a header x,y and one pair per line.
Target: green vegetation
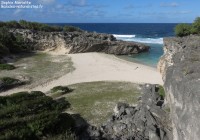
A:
x,y
10,43
8,82
196,26
33,115
14,43
167,109
183,30
59,91
23,24
161,91
95,101
40,68
71,29
6,67
187,29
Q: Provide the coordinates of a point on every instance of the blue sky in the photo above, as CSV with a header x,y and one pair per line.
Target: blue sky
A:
x,y
107,11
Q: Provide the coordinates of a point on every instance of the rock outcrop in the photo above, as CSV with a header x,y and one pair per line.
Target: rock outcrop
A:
x,y
79,42
146,121
180,68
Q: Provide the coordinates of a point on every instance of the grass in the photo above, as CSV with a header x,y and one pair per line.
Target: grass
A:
x,y
6,67
95,101
40,68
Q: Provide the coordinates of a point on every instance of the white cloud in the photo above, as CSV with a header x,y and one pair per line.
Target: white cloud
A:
x,y
82,2
46,1
173,4
17,11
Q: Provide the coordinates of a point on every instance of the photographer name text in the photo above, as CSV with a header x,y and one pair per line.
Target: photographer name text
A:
x,y
20,5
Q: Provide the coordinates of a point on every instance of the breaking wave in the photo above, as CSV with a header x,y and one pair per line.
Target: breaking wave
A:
x,y
139,39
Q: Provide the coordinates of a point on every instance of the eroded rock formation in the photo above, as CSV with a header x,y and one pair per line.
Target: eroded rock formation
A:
x,y
79,42
146,121
180,68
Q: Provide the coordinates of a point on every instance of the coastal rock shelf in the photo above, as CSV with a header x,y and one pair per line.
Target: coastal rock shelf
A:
x,y
146,121
79,42
180,68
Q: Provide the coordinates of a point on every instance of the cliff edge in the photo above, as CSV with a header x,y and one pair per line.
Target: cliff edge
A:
x,y
180,69
78,42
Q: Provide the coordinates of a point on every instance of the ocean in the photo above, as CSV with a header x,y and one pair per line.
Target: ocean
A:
x,y
151,34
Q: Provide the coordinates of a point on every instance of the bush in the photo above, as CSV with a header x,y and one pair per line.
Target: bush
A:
x,y
7,83
187,29
8,80
10,42
71,29
13,24
3,50
60,89
33,116
6,67
161,92
183,30
196,26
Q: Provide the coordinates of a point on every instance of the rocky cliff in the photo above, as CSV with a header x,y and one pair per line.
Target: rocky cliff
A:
x,y
148,120
79,42
180,68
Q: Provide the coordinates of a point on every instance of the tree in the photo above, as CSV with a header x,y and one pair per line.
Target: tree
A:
x,y
183,30
196,26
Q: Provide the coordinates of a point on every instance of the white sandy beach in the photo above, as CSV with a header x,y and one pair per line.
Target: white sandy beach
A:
x,y
101,67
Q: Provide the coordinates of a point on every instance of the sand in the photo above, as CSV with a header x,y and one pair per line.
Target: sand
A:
x,y
100,67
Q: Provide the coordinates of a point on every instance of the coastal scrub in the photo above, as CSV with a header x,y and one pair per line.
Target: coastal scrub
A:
x,y
95,101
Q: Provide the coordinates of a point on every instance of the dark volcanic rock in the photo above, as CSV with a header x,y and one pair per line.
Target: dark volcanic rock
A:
x,y
146,121
79,42
180,68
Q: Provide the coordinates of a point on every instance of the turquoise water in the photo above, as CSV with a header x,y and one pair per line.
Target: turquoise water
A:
x,y
151,34
150,58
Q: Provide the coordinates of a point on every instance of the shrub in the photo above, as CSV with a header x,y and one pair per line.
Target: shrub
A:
x,y
6,67
186,29
13,24
161,91
10,42
183,30
8,80
3,49
33,116
196,26
7,83
60,89
71,29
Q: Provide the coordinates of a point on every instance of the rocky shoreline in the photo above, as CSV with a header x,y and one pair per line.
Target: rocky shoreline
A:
x,y
78,42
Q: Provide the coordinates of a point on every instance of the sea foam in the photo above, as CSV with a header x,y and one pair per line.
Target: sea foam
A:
x,y
139,39
124,36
